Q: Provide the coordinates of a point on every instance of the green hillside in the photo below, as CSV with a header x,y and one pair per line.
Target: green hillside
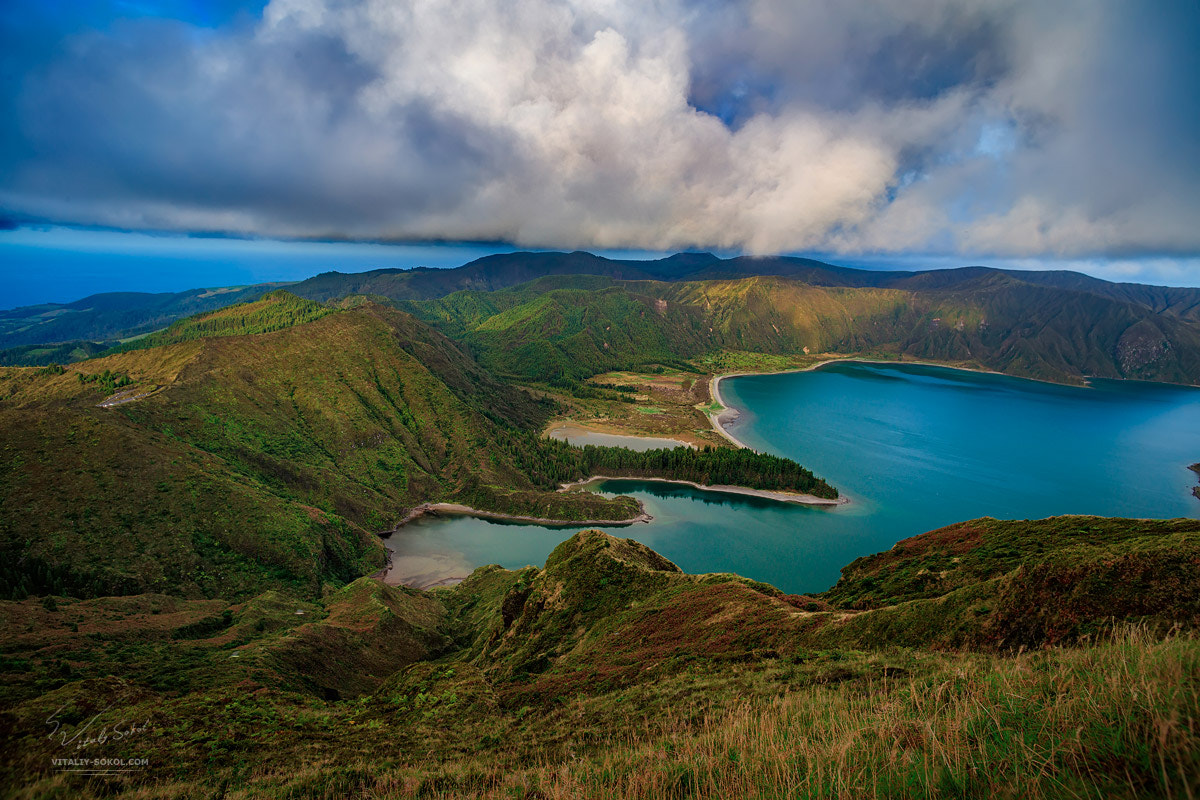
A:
x,y
575,327
544,330
1053,325
250,461
261,446
609,671
114,315
272,312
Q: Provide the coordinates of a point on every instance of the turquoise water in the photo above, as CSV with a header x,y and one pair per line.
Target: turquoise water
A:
x,y
914,447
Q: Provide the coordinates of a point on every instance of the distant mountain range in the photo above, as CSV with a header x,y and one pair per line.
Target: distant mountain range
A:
x,y
507,270
114,315
546,315
573,326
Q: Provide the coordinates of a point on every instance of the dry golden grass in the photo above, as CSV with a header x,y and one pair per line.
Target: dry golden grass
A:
x,y
1120,718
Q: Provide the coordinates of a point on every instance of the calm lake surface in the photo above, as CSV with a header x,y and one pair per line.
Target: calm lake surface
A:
x,y
914,447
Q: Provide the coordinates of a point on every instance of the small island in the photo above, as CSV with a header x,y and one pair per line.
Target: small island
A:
x,y
1196,469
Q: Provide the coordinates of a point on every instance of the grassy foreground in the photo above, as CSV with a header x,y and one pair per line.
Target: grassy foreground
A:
x,y
1116,719
611,673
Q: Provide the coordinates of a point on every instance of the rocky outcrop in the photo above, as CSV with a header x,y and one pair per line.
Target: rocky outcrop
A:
x,y
1140,346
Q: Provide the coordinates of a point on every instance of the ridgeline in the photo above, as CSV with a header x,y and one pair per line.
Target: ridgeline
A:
x,y
540,316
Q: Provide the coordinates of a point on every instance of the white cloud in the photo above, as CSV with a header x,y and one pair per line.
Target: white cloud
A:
x,y
994,128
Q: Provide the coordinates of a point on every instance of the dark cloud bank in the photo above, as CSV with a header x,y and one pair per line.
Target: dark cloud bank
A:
x,y
1008,128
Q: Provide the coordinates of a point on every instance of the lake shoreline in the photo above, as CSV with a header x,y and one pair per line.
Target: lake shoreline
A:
x,y
914,447
767,494
458,509
727,414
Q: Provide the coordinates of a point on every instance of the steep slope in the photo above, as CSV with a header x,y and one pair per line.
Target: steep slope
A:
x,y
1042,332
1180,302
575,327
571,326
241,462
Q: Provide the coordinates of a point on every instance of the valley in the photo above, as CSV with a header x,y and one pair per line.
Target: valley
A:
x,y
218,519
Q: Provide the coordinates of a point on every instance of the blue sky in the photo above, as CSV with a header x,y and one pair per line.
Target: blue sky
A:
x,y
61,264
1010,132
56,264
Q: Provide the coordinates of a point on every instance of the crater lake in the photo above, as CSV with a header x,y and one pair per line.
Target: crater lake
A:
x,y
914,447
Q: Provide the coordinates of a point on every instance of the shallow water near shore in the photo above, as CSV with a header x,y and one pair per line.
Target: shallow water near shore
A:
x,y
915,447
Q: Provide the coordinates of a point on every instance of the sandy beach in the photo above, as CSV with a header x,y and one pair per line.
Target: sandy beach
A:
x,y
427,571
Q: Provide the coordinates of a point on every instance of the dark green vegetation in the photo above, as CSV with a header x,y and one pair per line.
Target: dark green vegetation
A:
x,y
581,326
222,465
272,312
709,466
42,355
576,314
610,673
115,315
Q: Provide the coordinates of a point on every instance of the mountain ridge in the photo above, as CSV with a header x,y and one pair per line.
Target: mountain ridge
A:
x,y
109,316
576,326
